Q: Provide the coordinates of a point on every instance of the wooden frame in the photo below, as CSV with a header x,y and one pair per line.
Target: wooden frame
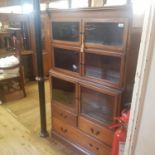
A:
x,y
115,94
104,81
8,78
108,20
67,79
107,14
65,70
139,99
72,43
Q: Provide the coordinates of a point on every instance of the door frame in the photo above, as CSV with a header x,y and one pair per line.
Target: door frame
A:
x,y
141,78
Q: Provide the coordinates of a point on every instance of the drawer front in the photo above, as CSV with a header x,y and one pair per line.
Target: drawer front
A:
x,y
101,133
64,115
80,138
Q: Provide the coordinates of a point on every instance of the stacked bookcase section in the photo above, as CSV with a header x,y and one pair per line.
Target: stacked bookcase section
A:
x,y
88,76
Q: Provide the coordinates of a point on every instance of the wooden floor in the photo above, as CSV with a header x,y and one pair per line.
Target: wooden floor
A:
x,y
19,132
15,139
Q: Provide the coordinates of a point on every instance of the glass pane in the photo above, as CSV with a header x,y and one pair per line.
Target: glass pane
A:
x,y
66,59
97,105
104,33
63,92
103,67
66,31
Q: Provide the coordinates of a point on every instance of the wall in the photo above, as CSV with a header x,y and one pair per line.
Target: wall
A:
x,y
146,136
97,3
141,137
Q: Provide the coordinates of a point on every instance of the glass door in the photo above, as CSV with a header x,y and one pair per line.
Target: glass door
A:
x,y
66,31
64,93
104,67
66,59
105,34
98,104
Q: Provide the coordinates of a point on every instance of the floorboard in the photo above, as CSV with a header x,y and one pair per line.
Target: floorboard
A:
x,y
15,139
26,111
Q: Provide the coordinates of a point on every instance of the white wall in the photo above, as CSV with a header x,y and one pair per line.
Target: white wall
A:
x,y
145,120
141,128
146,136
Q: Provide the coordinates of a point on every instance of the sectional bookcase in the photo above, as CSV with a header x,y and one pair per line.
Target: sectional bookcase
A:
x,y
89,52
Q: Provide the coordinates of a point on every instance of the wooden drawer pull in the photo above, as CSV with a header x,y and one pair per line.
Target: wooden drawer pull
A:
x,y
92,130
61,128
65,116
65,130
97,133
97,148
61,114
91,145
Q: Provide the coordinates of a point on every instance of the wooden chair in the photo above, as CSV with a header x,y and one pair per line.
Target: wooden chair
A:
x,y
12,77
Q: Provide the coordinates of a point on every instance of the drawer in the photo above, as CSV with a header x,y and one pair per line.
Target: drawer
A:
x,y
64,115
80,138
101,133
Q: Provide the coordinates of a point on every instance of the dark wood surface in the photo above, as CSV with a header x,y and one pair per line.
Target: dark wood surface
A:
x,y
64,115
98,131
76,136
27,53
96,96
12,74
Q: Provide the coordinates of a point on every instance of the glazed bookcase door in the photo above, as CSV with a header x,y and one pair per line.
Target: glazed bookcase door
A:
x,y
98,104
104,67
64,93
105,34
66,31
66,59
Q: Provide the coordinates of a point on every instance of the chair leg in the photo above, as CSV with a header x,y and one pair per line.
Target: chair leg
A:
x,y
1,96
21,83
22,86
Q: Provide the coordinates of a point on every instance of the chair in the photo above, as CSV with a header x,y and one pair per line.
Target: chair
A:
x,y
11,72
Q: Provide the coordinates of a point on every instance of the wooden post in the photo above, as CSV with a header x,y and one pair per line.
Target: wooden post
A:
x,y
40,71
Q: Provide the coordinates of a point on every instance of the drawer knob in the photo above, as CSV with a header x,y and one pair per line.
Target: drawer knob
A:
x,y
61,128
97,133
65,116
91,145
65,130
97,148
92,130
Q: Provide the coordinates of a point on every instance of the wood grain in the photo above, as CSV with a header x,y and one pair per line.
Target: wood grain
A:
x,y
15,139
25,111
